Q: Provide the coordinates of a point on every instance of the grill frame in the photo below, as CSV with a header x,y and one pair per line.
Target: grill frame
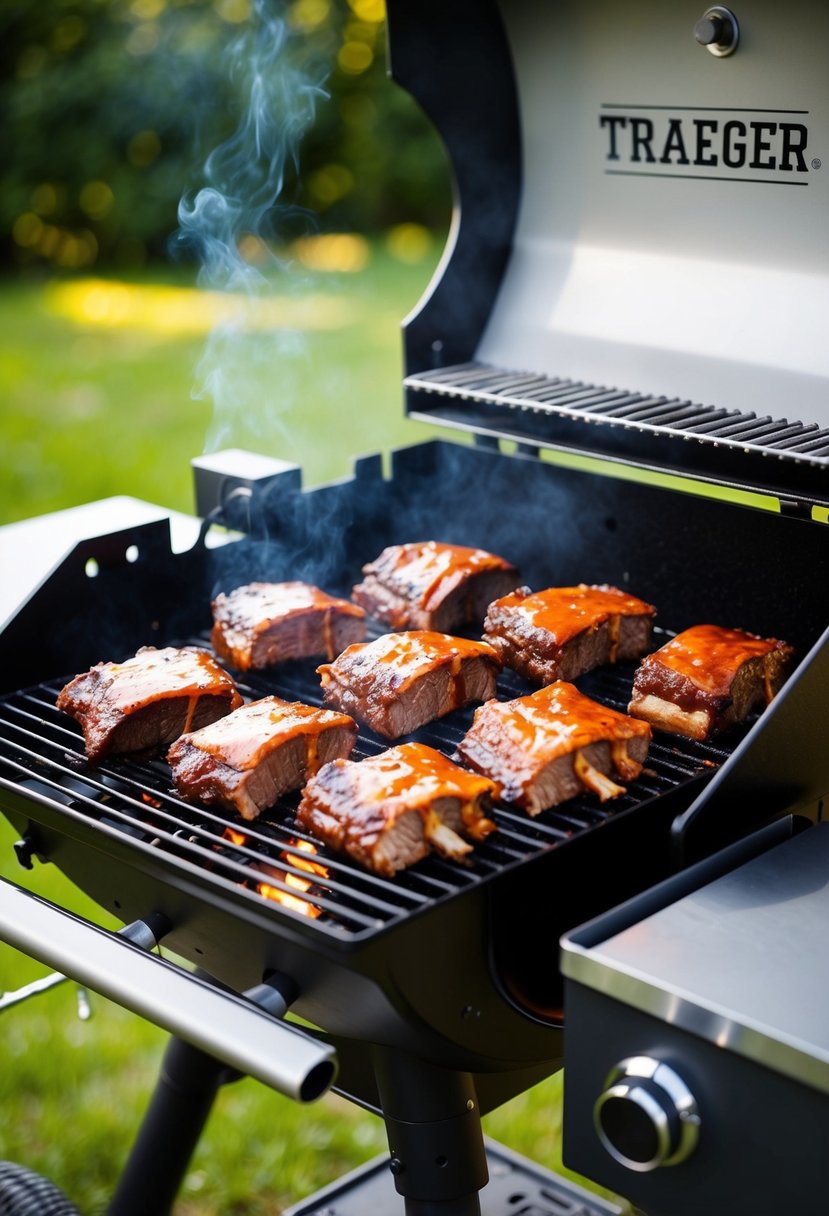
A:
x,y
134,797
387,985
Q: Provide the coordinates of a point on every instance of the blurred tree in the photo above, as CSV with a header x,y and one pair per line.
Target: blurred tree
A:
x,y
112,106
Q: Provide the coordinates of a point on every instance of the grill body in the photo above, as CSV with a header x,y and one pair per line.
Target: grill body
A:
x,y
743,1030
582,307
369,970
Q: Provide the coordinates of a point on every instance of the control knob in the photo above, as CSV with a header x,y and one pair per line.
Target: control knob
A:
x,y
646,1116
718,31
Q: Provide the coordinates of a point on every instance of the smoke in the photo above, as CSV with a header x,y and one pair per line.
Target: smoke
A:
x,y
232,225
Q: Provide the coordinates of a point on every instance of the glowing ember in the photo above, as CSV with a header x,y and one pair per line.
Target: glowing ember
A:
x,y
303,863
288,901
296,881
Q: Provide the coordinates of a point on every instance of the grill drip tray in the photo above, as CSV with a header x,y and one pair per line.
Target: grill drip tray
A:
x,y
516,1187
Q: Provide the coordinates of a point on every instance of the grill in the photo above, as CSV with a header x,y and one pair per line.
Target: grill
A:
x,y
424,998
351,904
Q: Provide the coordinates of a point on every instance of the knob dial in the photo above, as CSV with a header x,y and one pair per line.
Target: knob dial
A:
x,y
718,31
646,1116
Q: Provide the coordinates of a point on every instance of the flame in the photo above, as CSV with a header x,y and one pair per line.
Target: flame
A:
x,y
299,883
303,863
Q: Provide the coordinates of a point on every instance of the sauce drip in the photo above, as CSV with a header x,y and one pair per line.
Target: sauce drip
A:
x,y
428,571
558,719
402,657
709,657
239,739
565,612
154,674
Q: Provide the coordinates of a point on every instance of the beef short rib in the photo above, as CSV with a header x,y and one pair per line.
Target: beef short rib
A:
x,y
400,681
246,761
149,700
391,810
261,624
562,632
707,679
553,744
431,585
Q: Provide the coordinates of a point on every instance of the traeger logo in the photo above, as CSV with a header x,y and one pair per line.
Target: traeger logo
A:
x,y
707,142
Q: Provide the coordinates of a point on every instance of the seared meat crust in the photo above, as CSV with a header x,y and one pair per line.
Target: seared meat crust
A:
x,y
391,810
246,761
400,681
432,585
149,700
552,745
261,624
562,632
707,679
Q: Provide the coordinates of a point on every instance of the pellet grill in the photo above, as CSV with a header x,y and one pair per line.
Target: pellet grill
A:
x,y
627,329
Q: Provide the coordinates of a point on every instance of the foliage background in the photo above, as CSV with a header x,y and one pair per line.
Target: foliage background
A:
x,y
112,106
110,111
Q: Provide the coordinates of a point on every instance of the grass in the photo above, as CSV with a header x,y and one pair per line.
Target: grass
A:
x,y
97,400
99,379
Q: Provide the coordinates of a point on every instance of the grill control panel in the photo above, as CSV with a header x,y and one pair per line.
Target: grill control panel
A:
x,y
646,1116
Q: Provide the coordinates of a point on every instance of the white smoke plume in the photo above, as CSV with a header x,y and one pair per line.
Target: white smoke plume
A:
x,y
239,210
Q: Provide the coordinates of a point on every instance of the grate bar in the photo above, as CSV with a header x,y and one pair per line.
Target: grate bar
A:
x,y
41,752
817,438
712,418
710,424
632,404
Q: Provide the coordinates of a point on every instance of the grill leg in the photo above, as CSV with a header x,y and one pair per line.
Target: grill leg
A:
x,y
175,1117
433,1124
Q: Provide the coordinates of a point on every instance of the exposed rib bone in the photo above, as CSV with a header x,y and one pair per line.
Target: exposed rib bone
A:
x,y
594,780
446,841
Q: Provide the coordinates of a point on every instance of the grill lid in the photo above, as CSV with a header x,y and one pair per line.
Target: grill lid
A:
x,y
637,266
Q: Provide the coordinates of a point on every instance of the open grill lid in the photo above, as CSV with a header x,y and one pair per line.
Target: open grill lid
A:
x,y
637,266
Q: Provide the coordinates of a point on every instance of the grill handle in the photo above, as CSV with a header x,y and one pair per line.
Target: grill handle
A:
x,y
225,1025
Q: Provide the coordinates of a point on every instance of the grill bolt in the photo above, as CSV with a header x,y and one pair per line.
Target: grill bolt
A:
x,y
26,849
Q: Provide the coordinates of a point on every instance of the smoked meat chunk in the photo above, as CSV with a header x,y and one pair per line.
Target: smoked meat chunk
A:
x,y
248,760
707,679
400,681
149,700
391,810
553,744
562,632
261,624
431,585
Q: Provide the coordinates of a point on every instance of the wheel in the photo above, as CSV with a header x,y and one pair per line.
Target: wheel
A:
x,y
25,1193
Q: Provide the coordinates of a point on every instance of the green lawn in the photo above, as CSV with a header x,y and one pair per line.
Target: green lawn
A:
x,y
91,408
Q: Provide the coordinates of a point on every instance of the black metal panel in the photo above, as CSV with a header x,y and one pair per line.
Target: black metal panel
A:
x,y
455,61
758,1150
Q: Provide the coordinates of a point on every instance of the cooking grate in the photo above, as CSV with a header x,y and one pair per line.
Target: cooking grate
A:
x,y
41,755
538,405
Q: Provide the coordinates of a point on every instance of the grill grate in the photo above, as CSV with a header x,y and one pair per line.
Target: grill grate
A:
x,y
41,756
577,400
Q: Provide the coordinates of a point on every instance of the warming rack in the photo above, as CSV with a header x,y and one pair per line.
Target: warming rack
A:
x,y
731,445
